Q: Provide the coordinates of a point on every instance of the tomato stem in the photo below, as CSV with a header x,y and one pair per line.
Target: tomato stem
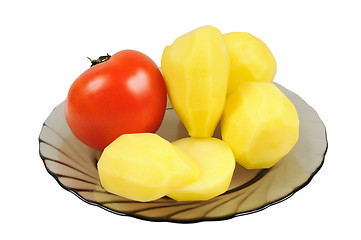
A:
x,y
99,60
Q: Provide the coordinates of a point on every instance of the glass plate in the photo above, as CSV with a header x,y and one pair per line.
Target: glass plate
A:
x,y
73,165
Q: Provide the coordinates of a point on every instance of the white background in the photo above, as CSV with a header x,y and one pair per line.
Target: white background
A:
x,y
44,45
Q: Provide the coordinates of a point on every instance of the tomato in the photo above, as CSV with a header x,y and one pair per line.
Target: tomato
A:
x,y
125,94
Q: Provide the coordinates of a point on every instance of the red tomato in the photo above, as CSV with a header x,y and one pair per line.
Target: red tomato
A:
x,y
125,94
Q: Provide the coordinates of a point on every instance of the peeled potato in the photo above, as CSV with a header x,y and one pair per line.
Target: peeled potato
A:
x,y
216,164
260,124
195,69
144,167
251,60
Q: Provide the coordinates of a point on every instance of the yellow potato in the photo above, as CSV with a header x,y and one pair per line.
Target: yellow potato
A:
x,y
260,124
195,69
251,60
144,167
216,163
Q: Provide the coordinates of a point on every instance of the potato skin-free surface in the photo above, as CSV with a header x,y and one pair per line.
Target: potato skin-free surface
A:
x,y
195,68
251,60
144,167
216,164
260,124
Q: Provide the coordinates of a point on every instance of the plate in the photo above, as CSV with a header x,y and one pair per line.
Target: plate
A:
x,y
73,165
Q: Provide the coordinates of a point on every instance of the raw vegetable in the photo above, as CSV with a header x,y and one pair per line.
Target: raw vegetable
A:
x,y
125,94
216,163
195,68
260,124
251,60
144,167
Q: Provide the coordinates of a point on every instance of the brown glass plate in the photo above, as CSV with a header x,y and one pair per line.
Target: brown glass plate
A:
x,y
73,165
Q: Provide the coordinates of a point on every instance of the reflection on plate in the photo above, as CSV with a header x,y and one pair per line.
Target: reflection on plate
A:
x,y
73,165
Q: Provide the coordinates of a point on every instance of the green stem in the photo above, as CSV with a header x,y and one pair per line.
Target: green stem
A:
x,y
99,60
